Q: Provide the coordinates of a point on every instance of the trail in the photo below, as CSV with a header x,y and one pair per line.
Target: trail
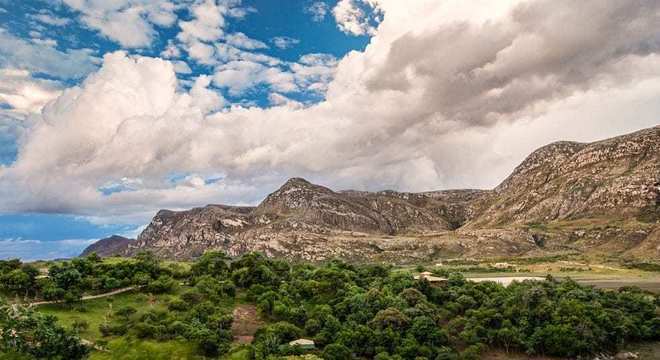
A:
x,y
88,297
245,324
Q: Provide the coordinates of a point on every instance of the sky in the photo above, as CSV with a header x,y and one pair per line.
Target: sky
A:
x,y
112,110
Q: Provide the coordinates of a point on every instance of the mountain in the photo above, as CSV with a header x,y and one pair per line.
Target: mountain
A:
x,y
110,246
614,178
600,197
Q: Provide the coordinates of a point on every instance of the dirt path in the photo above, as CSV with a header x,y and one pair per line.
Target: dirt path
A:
x,y
88,297
246,323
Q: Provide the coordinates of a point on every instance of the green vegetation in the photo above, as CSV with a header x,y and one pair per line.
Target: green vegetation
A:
x,y
641,265
26,334
69,281
349,311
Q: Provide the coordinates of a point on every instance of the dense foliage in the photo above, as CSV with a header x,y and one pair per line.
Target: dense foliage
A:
x,y
26,334
69,280
359,311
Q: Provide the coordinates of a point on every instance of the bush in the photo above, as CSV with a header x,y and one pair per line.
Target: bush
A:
x,y
336,352
125,311
177,304
79,325
164,284
108,329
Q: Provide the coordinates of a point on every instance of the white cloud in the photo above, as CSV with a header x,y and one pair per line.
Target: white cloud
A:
x,y
242,41
39,57
207,23
201,52
318,10
357,17
205,99
447,94
24,94
207,26
284,42
128,22
226,53
45,42
239,76
50,19
245,71
181,67
281,100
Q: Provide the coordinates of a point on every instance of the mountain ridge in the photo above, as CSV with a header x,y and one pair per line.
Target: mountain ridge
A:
x,y
602,196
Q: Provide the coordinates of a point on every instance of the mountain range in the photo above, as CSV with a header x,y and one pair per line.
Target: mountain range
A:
x,y
598,198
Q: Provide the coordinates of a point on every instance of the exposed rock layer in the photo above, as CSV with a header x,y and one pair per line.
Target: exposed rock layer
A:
x,y
601,197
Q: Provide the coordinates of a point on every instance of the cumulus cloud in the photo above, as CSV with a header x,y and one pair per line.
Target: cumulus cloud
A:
x,y
492,71
239,76
242,41
245,71
38,57
23,94
208,26
357,17
128,22
434,101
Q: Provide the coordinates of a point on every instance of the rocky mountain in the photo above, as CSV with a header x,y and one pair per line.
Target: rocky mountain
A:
x,y
566,196
110,246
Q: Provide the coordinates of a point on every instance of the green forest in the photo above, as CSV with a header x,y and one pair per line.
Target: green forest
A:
x,y
350,311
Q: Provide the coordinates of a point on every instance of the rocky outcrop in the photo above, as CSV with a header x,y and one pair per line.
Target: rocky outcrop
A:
x,y
110,246
566,196
304,220
617,178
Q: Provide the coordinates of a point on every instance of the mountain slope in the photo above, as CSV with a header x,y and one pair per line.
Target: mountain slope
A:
x,y
110,246
597,197
617,178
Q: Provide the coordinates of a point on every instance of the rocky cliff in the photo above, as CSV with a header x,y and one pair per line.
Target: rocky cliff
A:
x,y
601,197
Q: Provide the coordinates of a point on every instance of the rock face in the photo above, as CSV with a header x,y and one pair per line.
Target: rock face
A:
x,y
597,197
110,246
612,178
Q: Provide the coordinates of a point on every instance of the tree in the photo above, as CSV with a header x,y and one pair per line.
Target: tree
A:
x,y
37,335
426,331
212,263
390,318
336,352
164,284
16,281
66,277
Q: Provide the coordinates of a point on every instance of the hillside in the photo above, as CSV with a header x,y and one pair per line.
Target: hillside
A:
x,y
597,197
113,245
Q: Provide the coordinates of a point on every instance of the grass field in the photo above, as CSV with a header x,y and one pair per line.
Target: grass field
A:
x,y
96,312
134,349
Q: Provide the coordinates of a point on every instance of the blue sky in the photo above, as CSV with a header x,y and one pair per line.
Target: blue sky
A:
x,y
112,110
36,235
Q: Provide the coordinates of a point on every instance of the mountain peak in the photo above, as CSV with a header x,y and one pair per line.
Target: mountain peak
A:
x,y
296,181
293,194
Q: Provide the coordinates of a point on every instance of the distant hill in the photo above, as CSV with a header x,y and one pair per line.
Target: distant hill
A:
x,y
110,246
601,197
